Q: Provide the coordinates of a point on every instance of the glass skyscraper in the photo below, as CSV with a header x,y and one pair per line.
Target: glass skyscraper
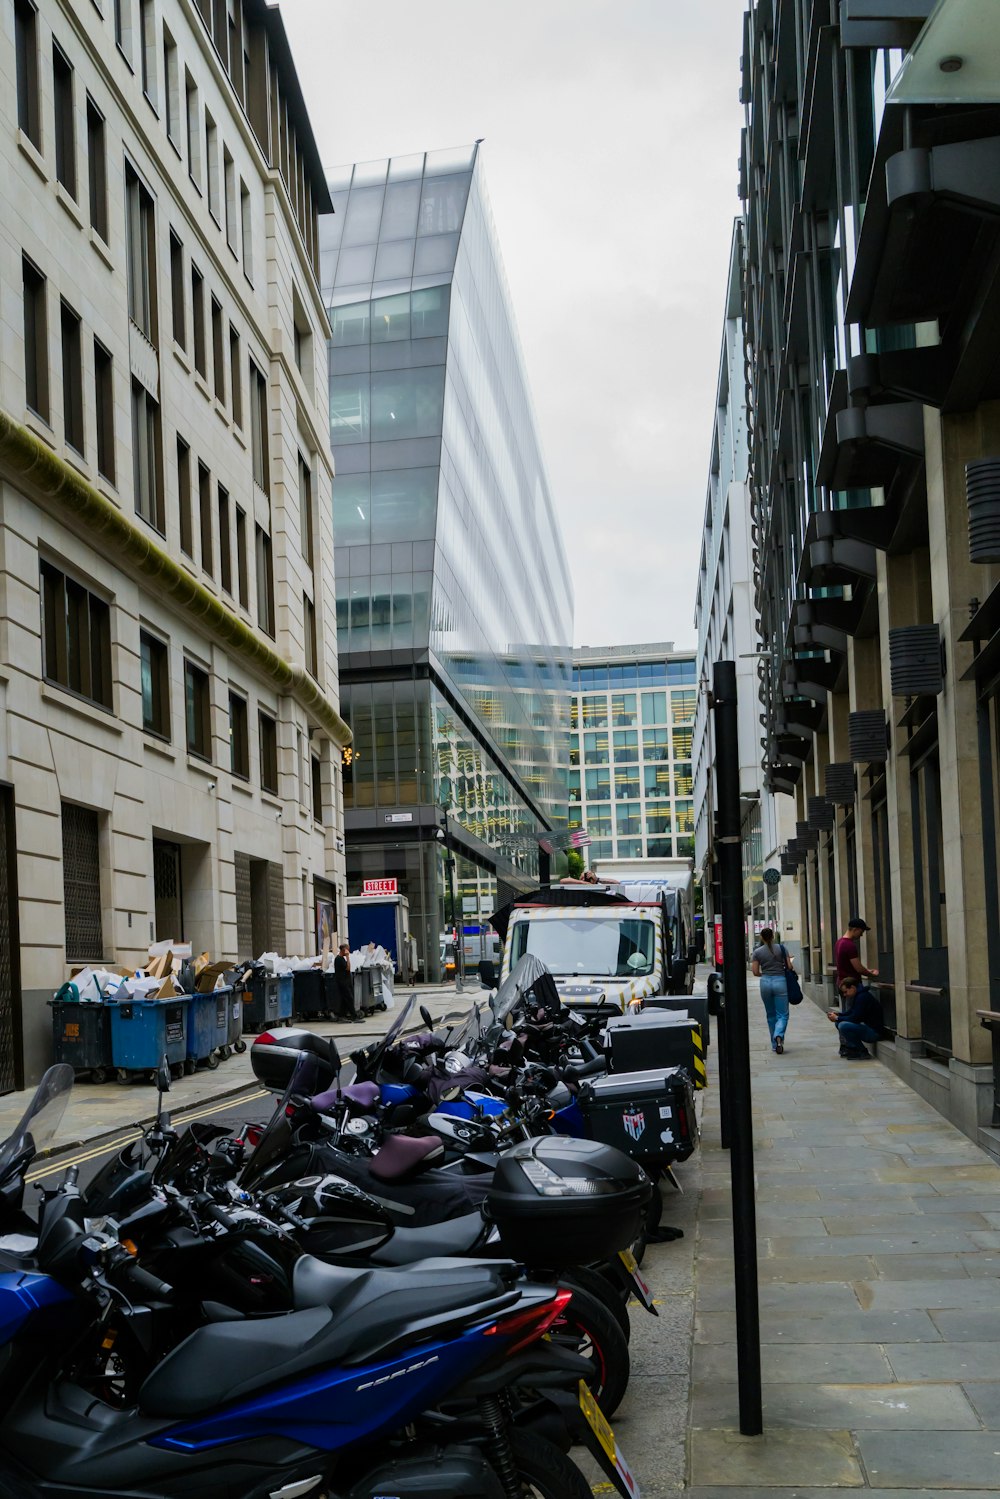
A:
x,y
630,780
453,594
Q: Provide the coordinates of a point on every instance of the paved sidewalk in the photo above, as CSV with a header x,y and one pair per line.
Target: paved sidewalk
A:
x,y
96,1110
879,1243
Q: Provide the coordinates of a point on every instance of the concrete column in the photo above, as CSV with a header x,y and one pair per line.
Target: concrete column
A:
x,y
951,441
864,691
904,599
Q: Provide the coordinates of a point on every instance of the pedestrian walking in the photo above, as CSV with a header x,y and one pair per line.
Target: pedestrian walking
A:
x,y
860,1020
770,962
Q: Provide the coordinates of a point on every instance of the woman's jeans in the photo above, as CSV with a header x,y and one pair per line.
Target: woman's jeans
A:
x,y
774,993
853,1036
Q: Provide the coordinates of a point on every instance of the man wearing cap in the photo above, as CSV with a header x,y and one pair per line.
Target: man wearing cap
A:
x,y
847,956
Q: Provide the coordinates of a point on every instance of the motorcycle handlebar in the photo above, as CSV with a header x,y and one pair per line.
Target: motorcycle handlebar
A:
x,y
127,1272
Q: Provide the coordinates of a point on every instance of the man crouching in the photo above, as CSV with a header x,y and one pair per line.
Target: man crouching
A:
x,y
859,1021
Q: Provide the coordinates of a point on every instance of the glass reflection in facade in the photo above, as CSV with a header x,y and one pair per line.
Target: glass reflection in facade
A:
x,y
453,595
630,779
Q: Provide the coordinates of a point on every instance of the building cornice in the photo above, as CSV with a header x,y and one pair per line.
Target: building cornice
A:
x,y
25,459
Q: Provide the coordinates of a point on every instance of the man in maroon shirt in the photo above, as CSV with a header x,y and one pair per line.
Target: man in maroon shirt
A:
x,y
847,955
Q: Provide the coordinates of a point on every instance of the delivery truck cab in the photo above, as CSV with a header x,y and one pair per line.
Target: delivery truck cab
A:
x,y
615,947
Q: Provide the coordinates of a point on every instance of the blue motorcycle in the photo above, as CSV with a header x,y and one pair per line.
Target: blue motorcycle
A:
x,y
383,1383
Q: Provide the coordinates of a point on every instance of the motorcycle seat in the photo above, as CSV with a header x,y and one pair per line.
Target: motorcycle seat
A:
x,y
353,1317
401,1154
454,1236
364,1095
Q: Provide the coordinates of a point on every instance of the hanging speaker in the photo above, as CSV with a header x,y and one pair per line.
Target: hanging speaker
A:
x,y
839,784
982,491
867,738
915,666
820,814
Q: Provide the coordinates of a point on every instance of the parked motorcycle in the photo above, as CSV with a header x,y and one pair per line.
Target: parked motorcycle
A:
x,y
372,1384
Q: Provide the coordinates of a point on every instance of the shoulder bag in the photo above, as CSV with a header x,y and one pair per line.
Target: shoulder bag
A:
x,y
791,980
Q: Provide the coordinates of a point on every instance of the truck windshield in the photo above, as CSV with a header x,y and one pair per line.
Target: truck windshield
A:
x,y
607,947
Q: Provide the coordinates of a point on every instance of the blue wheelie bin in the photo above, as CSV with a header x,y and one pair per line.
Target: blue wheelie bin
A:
x,y
286,988
208,1028
234,1021
143,1031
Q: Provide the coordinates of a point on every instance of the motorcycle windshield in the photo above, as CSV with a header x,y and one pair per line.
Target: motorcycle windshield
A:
x,y
516,985
39,1123
304,1082
468,1032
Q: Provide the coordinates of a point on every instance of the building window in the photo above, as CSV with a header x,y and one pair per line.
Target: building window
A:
x,y
193,130
171,87
656,744
682,706
309,631
656,780
225,542
212,166
184,496
239,737
81,851
198,321
317,788
265,582
147,38
623,709
218,353
236,376
97,170
598,785
654,707
104,401
594,712
72,376
178,312
305,511
76,636
258,429
595,748
154,671
26,47
242,561
626,745
683,780
628,818
65,123
205,516
268,753
197,711
574,786
147,461
302,335
246,230
682,742
574,749
140,233
36,354
123,27
229,183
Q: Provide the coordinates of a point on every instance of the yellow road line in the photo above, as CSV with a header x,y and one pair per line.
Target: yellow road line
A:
x,y
94,1154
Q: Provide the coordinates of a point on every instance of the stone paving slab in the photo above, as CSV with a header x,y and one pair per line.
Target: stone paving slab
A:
x,y
789,1327
817,1363
780,1457
941,1361
931,1295
985,1399
796,1492
849,1406
945,1459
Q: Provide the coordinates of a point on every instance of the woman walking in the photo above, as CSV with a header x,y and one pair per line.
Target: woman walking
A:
x,y
769,963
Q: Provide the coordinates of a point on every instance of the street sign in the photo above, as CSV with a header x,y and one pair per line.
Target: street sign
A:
x,y
772,876
380,887
391,817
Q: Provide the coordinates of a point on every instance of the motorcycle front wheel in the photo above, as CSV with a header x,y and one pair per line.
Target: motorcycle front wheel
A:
x,y
589,1328
544,1471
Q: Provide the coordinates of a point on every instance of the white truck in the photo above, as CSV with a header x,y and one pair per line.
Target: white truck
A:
x,y
609,945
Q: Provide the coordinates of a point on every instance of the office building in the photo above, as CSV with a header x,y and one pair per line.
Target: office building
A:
x,y
171,736
453,596
631,726
727,628
872,204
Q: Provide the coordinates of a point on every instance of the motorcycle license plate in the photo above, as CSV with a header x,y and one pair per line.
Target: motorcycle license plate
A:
x,y
615,1463
642,1290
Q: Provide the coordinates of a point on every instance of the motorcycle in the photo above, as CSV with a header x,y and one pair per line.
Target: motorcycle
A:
x,y
370,1385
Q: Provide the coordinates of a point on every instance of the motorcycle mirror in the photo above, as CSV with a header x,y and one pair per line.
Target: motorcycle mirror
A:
x,y
426,1017
162,1080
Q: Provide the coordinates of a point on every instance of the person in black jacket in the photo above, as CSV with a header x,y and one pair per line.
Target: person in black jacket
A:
x,y
858,1022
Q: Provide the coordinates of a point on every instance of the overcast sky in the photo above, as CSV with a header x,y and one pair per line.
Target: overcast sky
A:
x,y
611,142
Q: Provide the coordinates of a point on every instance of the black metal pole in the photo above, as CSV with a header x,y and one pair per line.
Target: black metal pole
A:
x,y
728,853
723,1043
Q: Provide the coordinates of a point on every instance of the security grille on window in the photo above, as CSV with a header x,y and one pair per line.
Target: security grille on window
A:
x,y
76,636
82,883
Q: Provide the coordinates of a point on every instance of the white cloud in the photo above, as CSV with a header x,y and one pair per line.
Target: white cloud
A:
x,y
611,143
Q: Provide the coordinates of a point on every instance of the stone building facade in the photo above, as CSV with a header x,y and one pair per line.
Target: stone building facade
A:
x,y
170,739
872,281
